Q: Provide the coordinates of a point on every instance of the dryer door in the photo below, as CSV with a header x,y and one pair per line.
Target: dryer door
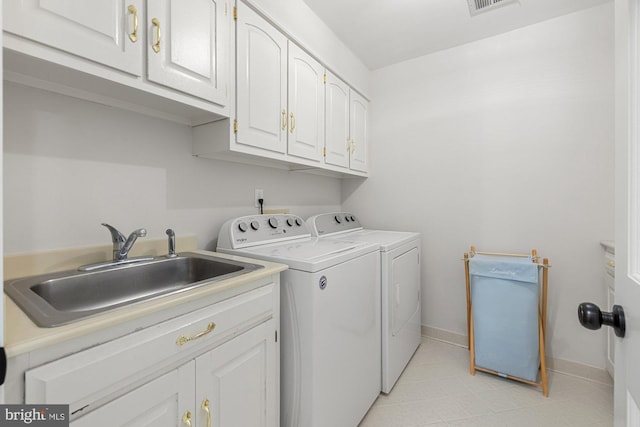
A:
x,y
405,286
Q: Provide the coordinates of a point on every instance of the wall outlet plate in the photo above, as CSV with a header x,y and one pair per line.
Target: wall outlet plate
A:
x,y
258,194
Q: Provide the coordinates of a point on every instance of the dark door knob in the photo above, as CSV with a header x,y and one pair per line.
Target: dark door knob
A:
x,y
591,317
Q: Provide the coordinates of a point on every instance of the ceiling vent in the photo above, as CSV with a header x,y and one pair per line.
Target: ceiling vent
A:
x,y
477,6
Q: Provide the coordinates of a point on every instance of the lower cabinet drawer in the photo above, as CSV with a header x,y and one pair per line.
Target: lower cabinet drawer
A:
x,y
106,369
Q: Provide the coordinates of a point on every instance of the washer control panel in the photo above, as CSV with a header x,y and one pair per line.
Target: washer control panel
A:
x,y
331,223
261,229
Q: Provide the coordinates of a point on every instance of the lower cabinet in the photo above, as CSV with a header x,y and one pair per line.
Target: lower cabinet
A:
x,y
229,386
216,366
236,381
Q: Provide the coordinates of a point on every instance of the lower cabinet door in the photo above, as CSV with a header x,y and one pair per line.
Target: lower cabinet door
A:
x,y
237,383
164,401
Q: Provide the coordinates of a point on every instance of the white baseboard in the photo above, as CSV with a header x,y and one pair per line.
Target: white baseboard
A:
x,y
558,365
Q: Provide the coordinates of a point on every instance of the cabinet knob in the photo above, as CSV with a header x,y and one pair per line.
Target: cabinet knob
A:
x,y
186,419
591,317
133,36
156,45
611,264
205,407
182,340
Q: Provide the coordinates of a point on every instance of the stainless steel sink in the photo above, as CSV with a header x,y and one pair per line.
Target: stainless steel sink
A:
x,y
59,298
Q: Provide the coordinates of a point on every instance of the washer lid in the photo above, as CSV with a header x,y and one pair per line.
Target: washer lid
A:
x,y
310,255
388,240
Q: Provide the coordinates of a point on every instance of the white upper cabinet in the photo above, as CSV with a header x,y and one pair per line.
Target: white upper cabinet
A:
x,y
337,122
109,32
358,113
289,113
164,58
306,105
261,79
187,47
280,100
346,126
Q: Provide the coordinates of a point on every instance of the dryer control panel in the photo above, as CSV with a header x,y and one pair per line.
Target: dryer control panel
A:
x,y
254,230
333,223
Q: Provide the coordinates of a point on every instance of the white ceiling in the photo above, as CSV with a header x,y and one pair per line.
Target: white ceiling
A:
x,y
384,32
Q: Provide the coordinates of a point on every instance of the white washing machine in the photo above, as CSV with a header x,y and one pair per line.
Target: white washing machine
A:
x,y
400,281
329,316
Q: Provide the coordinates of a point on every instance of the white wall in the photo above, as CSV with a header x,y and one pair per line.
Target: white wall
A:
x,y
70,165
506,144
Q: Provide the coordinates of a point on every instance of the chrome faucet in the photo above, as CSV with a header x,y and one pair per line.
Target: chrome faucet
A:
x,y
121,247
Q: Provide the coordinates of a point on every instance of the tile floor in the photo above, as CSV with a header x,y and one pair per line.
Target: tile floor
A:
x,y
437,390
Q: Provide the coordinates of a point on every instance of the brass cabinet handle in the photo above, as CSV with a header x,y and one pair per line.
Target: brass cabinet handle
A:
x,y
156,45
611,264
186,419
292,122
284,119
134,35
205,408
353,146
182,340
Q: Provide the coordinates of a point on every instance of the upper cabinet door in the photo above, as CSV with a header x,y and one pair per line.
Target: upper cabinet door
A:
x,y
306,105
261,78
187,46
109,32
337,122
358,132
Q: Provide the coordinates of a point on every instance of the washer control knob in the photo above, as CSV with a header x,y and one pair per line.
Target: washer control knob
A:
x,y
243,227
337,218
255,225
353,218
290,222
298,222
273,222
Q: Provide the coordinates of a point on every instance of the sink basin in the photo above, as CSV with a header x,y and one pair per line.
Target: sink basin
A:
x,y
59,298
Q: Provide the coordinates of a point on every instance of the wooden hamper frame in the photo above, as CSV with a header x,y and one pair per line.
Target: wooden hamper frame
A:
x,y
542,317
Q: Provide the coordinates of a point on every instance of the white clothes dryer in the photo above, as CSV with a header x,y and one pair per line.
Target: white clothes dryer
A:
x,y
400,281
329,316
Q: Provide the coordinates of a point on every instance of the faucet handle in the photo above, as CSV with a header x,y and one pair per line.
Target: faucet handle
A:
x,y
116,236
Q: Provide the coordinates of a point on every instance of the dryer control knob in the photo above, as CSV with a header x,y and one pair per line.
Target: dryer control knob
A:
x,y
243,227
298,222
273,222
255,225
337,218
290,222
353,218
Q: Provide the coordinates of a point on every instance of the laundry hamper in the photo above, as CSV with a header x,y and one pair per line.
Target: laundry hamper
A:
x,y
506,315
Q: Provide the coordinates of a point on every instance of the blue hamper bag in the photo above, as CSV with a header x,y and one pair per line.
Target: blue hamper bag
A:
x,y
504,295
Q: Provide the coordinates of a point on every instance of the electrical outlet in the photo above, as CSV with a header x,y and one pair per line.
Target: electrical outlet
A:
x,y
259,194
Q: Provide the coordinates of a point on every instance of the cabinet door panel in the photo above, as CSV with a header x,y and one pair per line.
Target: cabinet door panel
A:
x,y
161,402
96,30
239,380
337,122
358,131
191,53
262,83
306,105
